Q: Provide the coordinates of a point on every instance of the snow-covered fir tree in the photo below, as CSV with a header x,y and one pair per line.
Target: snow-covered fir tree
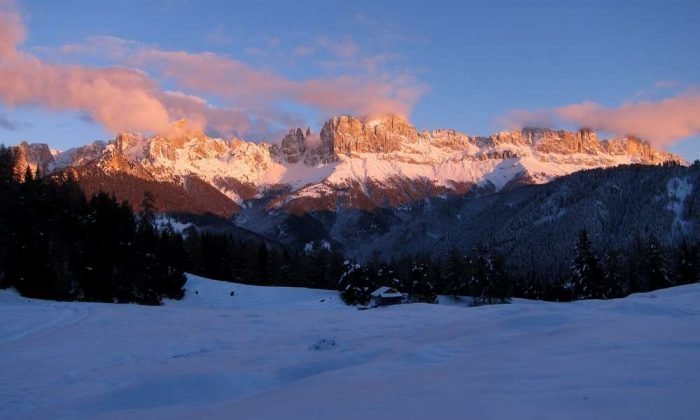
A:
x,y
383,275
355,284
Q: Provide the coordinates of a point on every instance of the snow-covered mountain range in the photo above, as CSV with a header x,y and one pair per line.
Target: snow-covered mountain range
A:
x,y
350,163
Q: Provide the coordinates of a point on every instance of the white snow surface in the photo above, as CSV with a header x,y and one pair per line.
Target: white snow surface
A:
x,y
163,222
298,353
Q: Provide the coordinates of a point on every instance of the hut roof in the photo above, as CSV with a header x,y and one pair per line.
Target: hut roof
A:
x,y
386,292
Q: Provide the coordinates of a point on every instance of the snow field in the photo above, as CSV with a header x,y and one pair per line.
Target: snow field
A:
x,y
301,353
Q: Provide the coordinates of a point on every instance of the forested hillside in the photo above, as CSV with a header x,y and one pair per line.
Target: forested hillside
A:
x,y
598,234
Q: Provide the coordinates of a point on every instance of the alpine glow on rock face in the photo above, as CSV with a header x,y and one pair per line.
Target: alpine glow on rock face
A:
x,y
349,209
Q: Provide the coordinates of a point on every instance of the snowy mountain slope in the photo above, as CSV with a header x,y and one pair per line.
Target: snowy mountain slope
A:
x,y
351,163
299,353
387,162
531,223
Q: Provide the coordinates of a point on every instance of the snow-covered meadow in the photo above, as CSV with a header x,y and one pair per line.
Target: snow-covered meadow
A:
x,y
300,353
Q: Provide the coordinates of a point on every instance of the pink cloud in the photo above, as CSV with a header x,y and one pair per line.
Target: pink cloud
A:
x,y
271,41
130,99
259,52
339,48
662,122
121,99
241,85
12,31
118,98
218,36
303,50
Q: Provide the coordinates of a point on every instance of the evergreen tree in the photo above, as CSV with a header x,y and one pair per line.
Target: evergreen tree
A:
x,y
8,165
480,279
587,277
612,277
422,289
457,273
498,289
489,283
262,264
635,268
173,260
688,263
355,285
656,274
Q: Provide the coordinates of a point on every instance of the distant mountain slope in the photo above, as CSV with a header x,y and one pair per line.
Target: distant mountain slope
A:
x,y
536,222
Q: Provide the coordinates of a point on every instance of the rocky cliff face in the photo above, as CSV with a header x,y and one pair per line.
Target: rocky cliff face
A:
x,y
348,135
351,162
307,147
35,156
293,146
80,155
632,146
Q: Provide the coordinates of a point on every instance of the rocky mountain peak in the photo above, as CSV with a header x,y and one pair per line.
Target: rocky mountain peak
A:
x,y
564,142
293,145
35,156
125,142
82,155
308,147
349,135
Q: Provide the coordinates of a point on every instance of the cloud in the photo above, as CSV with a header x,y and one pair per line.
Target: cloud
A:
x,y
303,50
258,52
661,122
386,32
9,125
520,118
666,84
339,48
121,99
218,36
12,32
368,91
126,95
271,41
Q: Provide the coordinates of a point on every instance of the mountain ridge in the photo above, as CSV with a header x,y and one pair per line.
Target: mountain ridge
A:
x,y
350,163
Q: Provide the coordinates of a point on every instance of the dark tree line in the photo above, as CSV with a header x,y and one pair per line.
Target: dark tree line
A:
x,y
480,275
243,260
612,273
484,276
646,266
56,244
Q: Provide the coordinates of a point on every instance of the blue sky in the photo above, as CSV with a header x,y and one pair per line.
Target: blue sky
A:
x,y
471,62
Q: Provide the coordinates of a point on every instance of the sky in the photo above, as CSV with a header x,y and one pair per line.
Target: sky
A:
x,y
75,71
